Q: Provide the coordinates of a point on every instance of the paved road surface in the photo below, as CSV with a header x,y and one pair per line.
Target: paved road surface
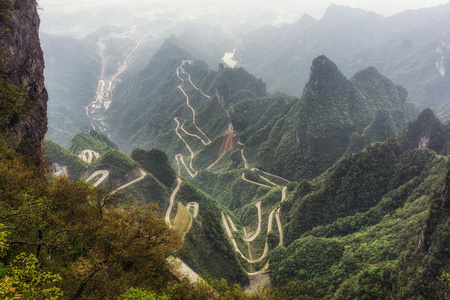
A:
x,y
104,173
280,227
172,200
254,182
143,174
196,207
180,87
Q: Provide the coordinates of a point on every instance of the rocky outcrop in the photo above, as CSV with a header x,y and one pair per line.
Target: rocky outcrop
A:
x,y
445,195
422,244
22,66
425,132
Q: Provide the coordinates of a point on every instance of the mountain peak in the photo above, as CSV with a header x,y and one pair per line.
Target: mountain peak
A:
x,y
324,73
377,85
339,13
306,20
425,132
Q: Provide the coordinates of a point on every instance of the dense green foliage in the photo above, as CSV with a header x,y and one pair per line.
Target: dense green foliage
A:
x,y
354,229
11,101
84,141
335,116
353,184
138,103
103,138
58,154
147,191
24,280
97,248
208,251
138,294
6,9
230,82
215,256
360,207
118,164
154,97
369,220
156,162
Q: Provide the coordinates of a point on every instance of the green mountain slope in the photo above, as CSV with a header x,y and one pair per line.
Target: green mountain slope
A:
x,y
352,230
289,137
155,186
72,68
316,131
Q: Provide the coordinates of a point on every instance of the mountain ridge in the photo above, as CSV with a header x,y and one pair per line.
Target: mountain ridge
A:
x,y
406,47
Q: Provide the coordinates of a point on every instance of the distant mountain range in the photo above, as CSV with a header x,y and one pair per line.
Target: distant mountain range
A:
x,y
412,48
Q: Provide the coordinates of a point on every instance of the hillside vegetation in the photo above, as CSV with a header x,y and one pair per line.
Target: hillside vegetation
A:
x,y
368,170
361,230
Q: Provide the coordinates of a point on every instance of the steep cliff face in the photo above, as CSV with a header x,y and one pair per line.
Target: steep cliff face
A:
x,y
426,132
23,121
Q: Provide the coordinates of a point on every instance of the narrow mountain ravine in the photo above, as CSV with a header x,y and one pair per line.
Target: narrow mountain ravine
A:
x,y
106,84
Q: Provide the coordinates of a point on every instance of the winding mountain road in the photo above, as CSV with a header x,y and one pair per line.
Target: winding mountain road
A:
x,y
275,213
236,248
172,200
195,87
180,87
283,193
243,157
195,206
181,270
269,174
142,176
263,270
254,182
104,174
280,227
266,179
193,135
226,220
179,156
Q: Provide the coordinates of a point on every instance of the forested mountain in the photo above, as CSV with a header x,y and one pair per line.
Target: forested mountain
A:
x,y
153,178
313,131
373,224
410,48
368,171
74,65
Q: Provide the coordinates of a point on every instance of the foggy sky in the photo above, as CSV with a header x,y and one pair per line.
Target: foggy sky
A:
x,y
316,8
